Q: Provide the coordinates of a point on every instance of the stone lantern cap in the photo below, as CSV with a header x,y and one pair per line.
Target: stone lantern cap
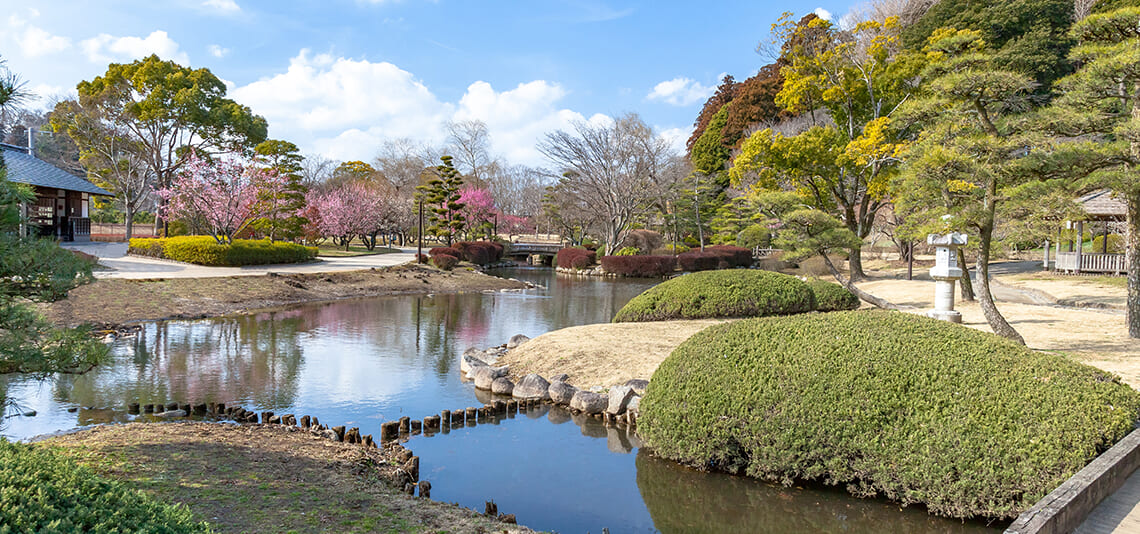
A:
x,y
953,240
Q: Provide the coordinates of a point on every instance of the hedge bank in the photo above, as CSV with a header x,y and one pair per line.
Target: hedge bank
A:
x,y
830,296
709,294
42,492
639,266
885,403
575,258
204,250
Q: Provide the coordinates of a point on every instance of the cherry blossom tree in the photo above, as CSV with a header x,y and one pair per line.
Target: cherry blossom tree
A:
x,y
352,209
218,196
478,208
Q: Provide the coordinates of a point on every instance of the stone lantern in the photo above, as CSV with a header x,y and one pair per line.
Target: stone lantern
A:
x,y
945,272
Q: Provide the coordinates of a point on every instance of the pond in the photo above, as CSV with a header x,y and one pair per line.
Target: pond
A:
x,y
363,362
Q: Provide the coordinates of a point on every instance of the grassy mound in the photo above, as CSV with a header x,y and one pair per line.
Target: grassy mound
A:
x,y
204,250
830,296
887,403
44,492
708,294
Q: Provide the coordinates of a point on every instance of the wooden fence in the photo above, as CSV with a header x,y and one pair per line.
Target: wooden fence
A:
x,y
1091,263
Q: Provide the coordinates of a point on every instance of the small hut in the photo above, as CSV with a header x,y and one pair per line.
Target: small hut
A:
x,y
1099,206
63,201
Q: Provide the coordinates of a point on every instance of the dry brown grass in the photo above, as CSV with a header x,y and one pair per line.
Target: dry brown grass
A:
x,y
255,478
109,303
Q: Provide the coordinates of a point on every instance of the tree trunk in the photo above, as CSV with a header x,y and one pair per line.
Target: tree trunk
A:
x,y
994,317
130,220
863,295
855,264
1132,246
966,283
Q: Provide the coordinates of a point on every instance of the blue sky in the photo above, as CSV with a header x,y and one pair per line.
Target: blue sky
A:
x,y
337,77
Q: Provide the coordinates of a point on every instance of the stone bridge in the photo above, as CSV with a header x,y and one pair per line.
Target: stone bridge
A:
x,y
535,253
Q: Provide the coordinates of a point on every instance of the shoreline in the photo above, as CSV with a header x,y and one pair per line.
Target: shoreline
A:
x,y
120,304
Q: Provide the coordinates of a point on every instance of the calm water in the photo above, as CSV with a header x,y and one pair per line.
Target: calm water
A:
x,y
363,362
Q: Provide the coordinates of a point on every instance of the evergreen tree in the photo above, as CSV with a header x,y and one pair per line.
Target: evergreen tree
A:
x,y
441,194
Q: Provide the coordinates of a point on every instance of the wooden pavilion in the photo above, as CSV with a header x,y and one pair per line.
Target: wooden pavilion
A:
x,y
63,200
1099,206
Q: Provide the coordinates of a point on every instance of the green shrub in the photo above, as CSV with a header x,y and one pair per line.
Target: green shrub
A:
x,y
446,262
639,266
628,251
671,249
41,491
830,296
575,258
1115,244
886,403
735,293
204,250
754,236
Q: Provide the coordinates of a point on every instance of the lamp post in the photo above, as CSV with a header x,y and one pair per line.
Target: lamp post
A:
x,y
420,234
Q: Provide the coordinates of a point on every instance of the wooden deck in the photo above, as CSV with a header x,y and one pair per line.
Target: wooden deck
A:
x,y
1119,513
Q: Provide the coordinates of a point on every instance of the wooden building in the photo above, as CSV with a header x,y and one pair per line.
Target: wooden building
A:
x,y
63,201
1099,206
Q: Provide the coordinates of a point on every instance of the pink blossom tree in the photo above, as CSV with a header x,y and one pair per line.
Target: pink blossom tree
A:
x,y
353,209
218,196
478,208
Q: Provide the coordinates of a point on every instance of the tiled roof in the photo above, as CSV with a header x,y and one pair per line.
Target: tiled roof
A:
x,y
26,169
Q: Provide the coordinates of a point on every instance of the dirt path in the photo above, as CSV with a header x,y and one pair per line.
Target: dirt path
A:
x,y
113,303
254,478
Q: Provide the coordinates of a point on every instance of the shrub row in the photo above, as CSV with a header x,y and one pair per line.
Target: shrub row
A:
x,y
204,250
735,293
446,262
480,252
575,258
830,296
732,255
639,266
886,403
698,261
41,491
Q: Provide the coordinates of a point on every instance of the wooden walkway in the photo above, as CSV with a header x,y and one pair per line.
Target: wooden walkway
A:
x,y
1119,513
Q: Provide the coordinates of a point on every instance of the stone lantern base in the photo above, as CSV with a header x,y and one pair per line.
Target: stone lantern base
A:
x,y
945,315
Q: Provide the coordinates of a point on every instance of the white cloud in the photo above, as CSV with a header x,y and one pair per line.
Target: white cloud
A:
x,y
822,13
105,48
680,91
344,108
222,6
676,137
218,51
33,40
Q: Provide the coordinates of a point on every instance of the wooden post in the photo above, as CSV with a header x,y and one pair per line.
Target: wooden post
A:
x,y
1046,266
133,408
389,431
1080,244
405,425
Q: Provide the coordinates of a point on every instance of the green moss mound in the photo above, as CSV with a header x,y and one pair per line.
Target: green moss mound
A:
x,y
204,250
886,403
736,293
830,296
43,492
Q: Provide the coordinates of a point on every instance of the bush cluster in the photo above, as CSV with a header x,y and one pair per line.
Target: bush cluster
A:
x,y
41,491
639,266
480,252
628,251
886,403
735,293
446,262
698,261
450,251
575,258
1115,244
204,250
732,256
830,296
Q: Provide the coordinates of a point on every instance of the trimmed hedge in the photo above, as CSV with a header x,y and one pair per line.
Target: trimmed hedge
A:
x,y
698,261
41,491
736,293
450,251
733,255
204,250
575,258
830,296
639,266
446,262
480,252
886,403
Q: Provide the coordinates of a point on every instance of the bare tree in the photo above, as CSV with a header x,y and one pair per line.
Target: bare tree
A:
x,y
402,164
316,170
615,169
1083,8
908,11
469,142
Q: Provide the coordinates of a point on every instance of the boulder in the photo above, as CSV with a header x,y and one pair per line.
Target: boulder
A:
x,y
589,402
532,386
619,399
170,414
634,406
484,376
502,386
561,393
638,385
516,340
469,362
560,378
